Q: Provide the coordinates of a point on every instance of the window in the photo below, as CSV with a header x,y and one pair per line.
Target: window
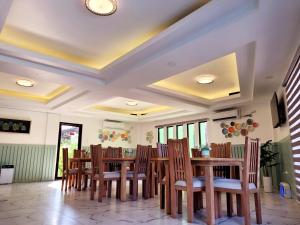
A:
x,y
179,131
202,134
161,135
170,132
292,87
191,135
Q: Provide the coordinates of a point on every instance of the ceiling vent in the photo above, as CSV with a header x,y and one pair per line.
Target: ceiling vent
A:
x,y
113,121
226,114
113,124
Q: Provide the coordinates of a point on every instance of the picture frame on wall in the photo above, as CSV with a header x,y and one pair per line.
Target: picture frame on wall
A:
x,y
15,126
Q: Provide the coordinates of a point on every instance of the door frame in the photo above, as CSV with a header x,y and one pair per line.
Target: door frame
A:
x,y
58,144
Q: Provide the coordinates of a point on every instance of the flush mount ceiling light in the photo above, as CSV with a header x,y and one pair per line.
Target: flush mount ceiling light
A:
x,y
205,79
25,83
132,103
101,7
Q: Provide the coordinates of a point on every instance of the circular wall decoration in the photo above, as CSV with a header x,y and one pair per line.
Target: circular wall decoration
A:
x,y
235,129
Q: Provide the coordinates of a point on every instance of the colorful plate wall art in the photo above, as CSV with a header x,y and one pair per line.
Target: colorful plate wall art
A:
x,y
235,129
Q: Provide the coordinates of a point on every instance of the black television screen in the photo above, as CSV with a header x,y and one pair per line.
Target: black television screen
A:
x,y
274,111
281,110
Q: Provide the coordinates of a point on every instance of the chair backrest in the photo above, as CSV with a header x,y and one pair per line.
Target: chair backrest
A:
x,y
251,162
162,150
65,159
180,162
222,150
96,159
142,161
113,152
154,153
196,152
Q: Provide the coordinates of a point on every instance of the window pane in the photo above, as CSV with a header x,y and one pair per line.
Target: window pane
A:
x,y
191,135
202,134
161,135
179,131
170,132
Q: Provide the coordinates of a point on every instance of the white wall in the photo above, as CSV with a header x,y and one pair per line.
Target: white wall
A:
x,y
45,126
262,116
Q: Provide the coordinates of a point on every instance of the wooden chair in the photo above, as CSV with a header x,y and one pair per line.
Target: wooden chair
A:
x,y
197,170
98,173
250,181
141,171
222,150
162,150
68,172
154,173
113,152
181,177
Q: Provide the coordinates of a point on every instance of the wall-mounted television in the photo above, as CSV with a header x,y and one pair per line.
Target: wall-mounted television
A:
x,y
274,111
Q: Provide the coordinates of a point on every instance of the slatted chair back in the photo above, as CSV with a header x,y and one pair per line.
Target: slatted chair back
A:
x,y
65,159
162,150
96,159
196,152
113,152
142,161
251,162
154,153
222,150
180,162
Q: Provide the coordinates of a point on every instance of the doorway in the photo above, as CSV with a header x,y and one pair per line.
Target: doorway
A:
x,y
69,136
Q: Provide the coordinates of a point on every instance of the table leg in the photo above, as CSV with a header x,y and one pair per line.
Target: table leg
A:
x,y
79,176
209,186
167,189
123,181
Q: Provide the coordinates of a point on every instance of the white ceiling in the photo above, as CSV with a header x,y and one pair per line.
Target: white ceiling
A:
x,y
264,34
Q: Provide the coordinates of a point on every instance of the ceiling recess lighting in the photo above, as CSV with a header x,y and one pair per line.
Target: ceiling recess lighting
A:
x,y
101,7
205,79
132,103
25,83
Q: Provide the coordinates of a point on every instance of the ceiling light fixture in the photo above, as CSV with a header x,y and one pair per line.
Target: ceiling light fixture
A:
x,y
25,83
205,79
132,103
101,7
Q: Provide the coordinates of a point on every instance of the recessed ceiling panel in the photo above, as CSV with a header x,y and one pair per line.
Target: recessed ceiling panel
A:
x,y
67,30
226,80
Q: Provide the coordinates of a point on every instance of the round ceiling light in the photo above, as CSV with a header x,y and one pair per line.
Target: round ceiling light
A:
x,y
25,83
132,103
205,79
101,7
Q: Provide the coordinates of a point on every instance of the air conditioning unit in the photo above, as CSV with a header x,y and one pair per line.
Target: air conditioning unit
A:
x,y
226,114
113,124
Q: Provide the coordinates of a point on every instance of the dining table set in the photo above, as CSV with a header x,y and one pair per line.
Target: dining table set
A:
x,y
170,168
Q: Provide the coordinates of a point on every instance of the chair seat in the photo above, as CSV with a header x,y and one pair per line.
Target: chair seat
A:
x,y
197,183
109,175
131,173
88,171
72,171
232,184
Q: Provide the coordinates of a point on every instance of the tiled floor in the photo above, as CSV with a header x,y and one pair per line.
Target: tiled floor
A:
x,y
45,204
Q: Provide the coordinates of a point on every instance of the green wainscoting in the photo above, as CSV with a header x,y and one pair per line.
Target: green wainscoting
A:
x,y
32,162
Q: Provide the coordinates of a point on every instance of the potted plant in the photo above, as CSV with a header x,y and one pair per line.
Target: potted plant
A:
x,y
268,159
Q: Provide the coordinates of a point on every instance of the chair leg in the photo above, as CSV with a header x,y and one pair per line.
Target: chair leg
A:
x,y
229,204
162,196
131,187
217,204
147,189
190,206
239,207
101,190
109,184
258,208
179,202
62,182
66,183
93,188
246,208
135,189
196,204
156,186
70,181
118,189
200,200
